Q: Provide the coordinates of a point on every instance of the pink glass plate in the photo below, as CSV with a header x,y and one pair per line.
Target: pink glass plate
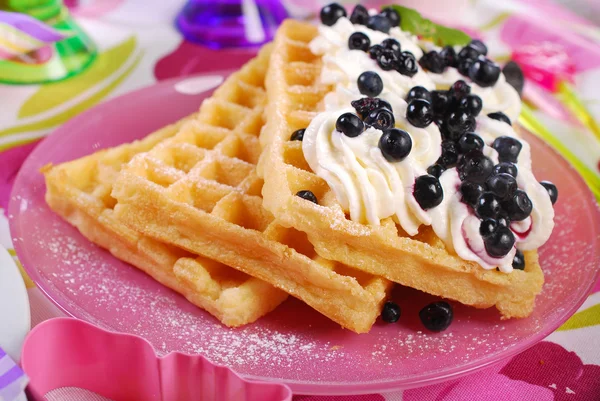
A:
x,y
294,344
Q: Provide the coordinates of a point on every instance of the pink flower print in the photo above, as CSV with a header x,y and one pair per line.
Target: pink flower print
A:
x,y
551,366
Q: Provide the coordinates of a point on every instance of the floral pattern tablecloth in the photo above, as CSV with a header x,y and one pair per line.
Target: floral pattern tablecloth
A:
x,y
138,45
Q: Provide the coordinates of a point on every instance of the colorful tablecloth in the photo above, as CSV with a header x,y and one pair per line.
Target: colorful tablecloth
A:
x,y
138,45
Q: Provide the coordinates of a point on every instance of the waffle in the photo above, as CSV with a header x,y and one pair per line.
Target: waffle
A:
x,y
422,262
80,190
199,191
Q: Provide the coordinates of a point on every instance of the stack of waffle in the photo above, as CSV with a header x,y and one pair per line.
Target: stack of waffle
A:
x,y
188,206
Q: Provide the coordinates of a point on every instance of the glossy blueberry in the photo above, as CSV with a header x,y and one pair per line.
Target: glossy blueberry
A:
x,y
359,15
458,123
375,51
366,105
464,66
506,168
514,76
379,22
484,73
388,59
508,148
436,316
331,13
298,135
502,185
470,192
308,195
472,104
459,89
350,125
552,190
449,156
359,41
440,100
418,92
392,44
395,144
470,141
392,15
433,62
488,227
487,206
479,46
475,167
370,84
428,191
500,242
519,261
500,116
468,53
435,170
382,119
407,64
518,207
449,56
419,113
391,312
503,220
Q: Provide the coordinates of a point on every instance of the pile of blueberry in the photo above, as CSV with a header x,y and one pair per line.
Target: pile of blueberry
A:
x,y
436,316
471,62
384,21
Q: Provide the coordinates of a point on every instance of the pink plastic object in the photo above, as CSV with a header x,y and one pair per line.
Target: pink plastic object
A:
x,y
545,63
68,352
293,344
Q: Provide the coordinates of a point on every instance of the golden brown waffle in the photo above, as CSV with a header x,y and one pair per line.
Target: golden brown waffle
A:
x,y
422,262
80,192
199,191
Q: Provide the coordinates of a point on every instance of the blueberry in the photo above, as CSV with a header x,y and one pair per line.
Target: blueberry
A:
x,y
487,206
359,15
479,46
519,261
392,15
475,167
379,22
449,156
331,13
470,141
381,119
552,190
458,123
407,64
419,113
418,92
502,185
435,170
500,116
468,53
518,207
392,44
436,316
472,104
308,195
432,61
350,125
500,242
488,227
459,89
370,84
298,135
449,56
514,76
388,59
359,41
366,105
375,51
506,168
464,66
440,102
508,148
503,220
470,192
390,312
484,73
395,144
428,191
